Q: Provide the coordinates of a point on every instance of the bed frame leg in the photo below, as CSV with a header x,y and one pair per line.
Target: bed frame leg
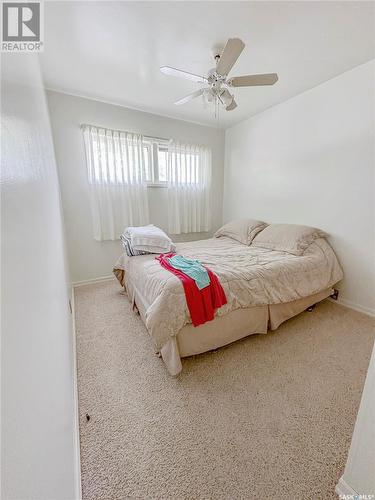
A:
x,y
311,308
335,294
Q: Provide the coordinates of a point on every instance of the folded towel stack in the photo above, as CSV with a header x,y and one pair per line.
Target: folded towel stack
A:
x,y
146,239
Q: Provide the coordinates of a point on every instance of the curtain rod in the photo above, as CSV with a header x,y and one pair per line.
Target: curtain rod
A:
x,y
153,138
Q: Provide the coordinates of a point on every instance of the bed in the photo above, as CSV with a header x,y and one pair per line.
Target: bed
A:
x,y
264,287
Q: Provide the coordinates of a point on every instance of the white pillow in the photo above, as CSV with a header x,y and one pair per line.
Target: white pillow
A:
x,y
242,230
291,238
150,239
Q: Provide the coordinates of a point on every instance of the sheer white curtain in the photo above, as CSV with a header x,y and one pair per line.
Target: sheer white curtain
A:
x,y
189,181
116,164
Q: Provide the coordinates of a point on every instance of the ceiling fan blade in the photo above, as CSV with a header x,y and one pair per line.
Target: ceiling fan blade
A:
x,y
253,80
231,53
167,70
189,97
232,105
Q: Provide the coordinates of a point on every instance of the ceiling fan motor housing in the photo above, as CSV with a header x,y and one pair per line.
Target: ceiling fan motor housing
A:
x,y
214,79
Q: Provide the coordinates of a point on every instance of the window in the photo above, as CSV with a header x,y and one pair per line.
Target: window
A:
x,y
115,159
187,172
158,162
162,163
122,165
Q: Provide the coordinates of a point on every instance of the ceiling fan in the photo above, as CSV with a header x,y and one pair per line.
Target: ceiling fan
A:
x,y
217,81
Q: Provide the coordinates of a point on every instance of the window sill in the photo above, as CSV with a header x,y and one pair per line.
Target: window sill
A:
x,y
157,185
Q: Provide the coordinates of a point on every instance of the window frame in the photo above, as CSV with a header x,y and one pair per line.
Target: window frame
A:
x,y
154,145
148,146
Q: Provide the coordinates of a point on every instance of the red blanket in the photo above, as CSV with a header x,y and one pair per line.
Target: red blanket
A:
x,y
202,304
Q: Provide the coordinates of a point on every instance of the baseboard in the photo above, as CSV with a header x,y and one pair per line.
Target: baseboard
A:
x,y
353,305
342,488
76,408
94,280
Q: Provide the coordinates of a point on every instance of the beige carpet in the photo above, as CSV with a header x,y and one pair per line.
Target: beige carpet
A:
x,y
268,417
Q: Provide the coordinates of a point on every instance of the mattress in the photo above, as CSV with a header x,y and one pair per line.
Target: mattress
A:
x,y
251,276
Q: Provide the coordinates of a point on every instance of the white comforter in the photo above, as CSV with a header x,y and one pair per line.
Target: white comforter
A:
x,y
250,276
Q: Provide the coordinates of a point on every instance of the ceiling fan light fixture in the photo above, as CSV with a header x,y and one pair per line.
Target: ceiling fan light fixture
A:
x,y
231,106
226,97
208,96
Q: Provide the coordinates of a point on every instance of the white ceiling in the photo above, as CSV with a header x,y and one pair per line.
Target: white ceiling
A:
x,y
112,51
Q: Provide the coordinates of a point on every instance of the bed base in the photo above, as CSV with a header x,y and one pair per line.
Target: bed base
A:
x,y
224,330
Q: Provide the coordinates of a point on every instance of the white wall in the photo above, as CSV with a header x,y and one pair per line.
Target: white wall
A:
x,y
39,451
310,160
88,258
359,474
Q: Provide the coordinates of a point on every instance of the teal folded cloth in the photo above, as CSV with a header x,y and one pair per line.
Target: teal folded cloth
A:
x,y
192,268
